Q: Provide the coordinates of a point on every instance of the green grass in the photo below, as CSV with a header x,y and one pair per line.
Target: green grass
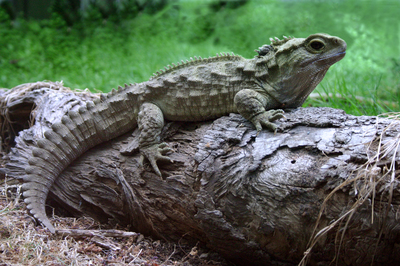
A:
x,y
100,55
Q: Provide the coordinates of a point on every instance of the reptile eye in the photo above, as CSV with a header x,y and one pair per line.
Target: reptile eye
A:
x,y
317,45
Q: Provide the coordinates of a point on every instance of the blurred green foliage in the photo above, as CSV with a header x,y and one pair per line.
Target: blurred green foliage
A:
x,y
107,45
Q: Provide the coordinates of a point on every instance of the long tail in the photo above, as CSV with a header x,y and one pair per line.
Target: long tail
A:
x,y
67,140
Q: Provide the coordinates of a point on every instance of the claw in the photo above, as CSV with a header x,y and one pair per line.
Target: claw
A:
x,y
153,163
266,120
276,114
154,153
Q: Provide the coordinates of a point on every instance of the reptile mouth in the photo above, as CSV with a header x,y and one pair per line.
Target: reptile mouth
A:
x,y
340,54
333,58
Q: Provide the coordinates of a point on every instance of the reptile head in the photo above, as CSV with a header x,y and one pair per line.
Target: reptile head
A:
x,y
302,64
321,51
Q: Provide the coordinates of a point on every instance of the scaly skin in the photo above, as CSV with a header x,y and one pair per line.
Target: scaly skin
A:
x,y
282,75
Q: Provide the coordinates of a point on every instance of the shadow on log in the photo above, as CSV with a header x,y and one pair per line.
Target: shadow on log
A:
x,y
325,185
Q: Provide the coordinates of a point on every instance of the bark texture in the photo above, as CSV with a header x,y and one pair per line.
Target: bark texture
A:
x,y
256,199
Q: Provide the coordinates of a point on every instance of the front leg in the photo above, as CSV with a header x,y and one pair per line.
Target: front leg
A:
x,y
150,123
254,107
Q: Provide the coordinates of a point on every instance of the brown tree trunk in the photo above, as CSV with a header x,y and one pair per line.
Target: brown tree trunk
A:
x,y
324,185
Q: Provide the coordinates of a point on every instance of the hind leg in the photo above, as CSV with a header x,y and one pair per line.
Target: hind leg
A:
x,y
150,123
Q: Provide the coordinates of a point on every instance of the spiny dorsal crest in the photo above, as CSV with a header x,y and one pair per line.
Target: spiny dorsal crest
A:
x,y
120,89
277,42
196,60
265,49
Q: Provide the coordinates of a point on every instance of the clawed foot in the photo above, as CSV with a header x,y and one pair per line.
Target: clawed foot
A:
x,y
154,153
265,119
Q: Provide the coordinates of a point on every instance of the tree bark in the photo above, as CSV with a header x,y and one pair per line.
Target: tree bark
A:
x,y
256,199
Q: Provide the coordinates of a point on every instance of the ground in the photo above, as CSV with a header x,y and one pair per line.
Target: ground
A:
x,y
22,242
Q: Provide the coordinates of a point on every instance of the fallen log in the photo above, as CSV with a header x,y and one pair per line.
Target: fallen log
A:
x,y
323,188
